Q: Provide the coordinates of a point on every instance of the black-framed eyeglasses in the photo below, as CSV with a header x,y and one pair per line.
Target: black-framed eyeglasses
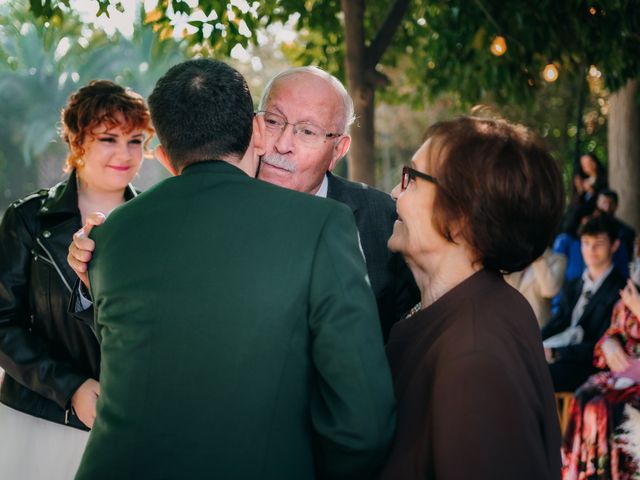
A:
x,y
305,131
409,174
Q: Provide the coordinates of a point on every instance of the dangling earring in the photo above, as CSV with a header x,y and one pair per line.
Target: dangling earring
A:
x,y
80,163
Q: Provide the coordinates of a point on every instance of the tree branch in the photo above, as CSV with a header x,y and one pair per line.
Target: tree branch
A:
x,y
387,30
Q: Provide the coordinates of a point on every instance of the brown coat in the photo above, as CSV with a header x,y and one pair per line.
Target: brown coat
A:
x,y
474,394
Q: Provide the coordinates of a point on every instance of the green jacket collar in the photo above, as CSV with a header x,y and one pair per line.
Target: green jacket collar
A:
x,y
213,166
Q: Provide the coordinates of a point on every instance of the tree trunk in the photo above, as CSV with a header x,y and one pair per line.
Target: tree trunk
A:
x,y
624,151
360,64
361,159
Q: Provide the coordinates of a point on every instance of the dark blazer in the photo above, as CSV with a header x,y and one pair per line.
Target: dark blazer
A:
x,y
475,399
391,280
595,319
239,337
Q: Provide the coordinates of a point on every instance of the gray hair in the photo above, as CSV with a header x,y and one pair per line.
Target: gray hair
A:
x,y
347,102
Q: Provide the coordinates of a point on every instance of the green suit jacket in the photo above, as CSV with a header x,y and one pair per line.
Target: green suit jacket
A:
x,y
240,338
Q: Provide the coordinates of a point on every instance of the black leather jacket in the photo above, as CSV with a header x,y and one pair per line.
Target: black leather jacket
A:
x,y
45,352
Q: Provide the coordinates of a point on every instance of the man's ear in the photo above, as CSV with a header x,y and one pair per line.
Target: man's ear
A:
x,y
162,156
340,149
615,245
258,136
251,158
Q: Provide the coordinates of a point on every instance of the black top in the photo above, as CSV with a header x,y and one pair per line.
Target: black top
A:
x,y
475,398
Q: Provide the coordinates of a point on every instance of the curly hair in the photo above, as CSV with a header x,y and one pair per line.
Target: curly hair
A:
x,y
101,102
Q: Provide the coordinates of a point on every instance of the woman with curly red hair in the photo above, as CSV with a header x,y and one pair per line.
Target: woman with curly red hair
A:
x,y
51,360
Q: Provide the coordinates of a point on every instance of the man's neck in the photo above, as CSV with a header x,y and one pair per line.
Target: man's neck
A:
x,y
596,273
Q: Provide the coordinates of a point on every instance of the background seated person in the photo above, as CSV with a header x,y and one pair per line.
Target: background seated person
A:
x,y
585,307
539,282
608,203
568,243
590,445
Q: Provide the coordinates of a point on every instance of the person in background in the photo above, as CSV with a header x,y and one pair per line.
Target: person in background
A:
x,y
608,203
594,180
591,446
585,307
475,398
539,282
52,361
568,244
587,184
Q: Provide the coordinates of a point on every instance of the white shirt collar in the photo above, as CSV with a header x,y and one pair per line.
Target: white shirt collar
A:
x,y
588,284
324,187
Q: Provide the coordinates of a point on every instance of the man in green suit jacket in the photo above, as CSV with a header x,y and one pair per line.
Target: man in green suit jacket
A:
x,y
239,336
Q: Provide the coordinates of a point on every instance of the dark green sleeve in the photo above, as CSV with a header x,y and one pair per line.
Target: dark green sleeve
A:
x,y
353,407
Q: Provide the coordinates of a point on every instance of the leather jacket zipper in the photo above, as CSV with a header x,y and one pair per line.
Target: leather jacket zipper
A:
x,y
49,259
51,262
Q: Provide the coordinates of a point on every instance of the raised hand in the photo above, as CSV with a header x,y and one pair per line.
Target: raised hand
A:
x,y
82,246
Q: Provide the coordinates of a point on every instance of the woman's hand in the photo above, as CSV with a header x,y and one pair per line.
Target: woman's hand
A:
x,y
82,246
84,401
614,355
631,298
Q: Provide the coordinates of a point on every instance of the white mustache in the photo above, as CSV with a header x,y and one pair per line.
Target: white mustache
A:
x,y
279,161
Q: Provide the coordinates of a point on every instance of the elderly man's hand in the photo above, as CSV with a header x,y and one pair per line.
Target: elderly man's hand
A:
x,y
82,246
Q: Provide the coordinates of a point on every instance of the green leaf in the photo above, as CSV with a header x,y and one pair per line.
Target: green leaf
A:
x,y
103,6
180,6
36,8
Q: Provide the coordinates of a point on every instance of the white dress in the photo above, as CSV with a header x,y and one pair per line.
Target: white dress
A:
x,y
35,449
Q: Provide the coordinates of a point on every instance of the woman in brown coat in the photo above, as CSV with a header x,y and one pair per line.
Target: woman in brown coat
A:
x,y
475,399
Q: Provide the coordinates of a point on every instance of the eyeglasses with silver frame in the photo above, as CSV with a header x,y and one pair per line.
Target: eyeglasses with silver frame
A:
x,y
307,132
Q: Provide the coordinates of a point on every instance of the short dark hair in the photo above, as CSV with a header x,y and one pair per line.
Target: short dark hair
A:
x,y
612,194
497,182
597,224
202,110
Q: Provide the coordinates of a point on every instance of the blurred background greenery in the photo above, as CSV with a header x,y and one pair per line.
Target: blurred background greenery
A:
x,y
438,65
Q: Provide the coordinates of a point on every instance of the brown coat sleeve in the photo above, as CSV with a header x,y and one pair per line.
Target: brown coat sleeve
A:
x,y
482,423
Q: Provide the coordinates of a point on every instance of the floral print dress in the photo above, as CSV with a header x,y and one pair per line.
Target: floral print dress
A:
x,y
591,448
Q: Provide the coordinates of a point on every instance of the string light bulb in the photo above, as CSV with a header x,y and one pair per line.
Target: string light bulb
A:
x,y
550,73
498,46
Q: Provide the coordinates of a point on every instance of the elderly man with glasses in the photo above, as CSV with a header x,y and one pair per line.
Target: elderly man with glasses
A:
x,y
307,113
